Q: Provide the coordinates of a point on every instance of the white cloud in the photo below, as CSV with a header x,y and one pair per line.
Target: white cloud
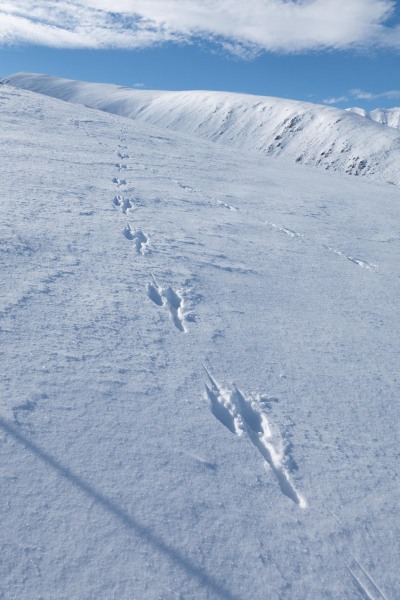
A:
x,y
335,100
240,27
361,95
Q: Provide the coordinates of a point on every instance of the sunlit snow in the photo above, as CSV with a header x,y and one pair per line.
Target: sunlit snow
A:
x,y
301,132
199,366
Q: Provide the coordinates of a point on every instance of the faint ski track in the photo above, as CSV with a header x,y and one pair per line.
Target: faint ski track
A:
x,y
245,415
364,583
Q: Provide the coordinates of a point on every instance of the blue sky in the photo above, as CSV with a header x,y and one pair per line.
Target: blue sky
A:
x,y
343,52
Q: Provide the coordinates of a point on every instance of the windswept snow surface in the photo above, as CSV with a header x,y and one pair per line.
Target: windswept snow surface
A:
x,y
301,132
199,368
386,116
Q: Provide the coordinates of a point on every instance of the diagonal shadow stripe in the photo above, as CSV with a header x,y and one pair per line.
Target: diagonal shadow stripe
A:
x,y
145,532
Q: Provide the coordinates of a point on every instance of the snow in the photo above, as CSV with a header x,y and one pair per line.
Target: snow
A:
x,y
199,367
302,132
386,116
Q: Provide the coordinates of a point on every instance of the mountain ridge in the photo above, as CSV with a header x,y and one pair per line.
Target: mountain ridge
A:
x,y
385,116
301,132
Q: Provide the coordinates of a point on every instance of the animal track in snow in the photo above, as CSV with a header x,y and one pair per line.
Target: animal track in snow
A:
x,y
356,261
153,292
362,263
289,232
121,166
228,206
169,298
139,239
123,155
118,181
124,203
245,415
187,188
364,583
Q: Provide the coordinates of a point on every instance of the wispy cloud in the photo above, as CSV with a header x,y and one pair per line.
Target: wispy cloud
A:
x,y
361,95
336,100
357,94
240,27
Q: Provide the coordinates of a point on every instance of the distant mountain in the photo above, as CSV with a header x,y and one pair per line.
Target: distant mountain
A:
x,y
386,116
300,132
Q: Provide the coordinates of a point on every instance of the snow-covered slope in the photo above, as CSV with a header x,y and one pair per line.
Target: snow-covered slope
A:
x,y
298,131
388,116
131,257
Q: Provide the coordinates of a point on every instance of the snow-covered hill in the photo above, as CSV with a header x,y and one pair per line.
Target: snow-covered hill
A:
x,y
388,116
199,368
301,132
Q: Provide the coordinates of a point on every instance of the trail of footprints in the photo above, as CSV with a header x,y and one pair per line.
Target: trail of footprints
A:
x,y
244,416
163,297
290,233
295,234
356,261
240,414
